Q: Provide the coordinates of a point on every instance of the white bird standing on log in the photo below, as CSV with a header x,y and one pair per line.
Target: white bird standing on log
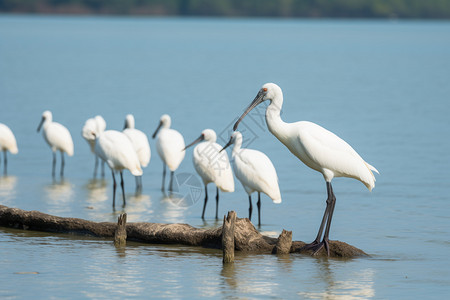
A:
x,y
116,149
255,171
317,148
7,143
170,147
140,144
212,166
96,125
57,137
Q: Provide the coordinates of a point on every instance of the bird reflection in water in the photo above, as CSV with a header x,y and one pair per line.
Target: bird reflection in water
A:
x,y
7,188
356,285
59,194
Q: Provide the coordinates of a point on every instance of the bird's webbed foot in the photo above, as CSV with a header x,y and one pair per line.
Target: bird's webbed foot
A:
x,y
316,246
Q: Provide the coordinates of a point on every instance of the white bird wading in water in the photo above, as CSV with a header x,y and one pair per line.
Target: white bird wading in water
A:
x,y
140,144
256,173
170,147
317,148
212,166
57,137
116,150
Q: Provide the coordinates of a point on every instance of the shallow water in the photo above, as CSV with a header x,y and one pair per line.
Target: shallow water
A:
x,y
380,85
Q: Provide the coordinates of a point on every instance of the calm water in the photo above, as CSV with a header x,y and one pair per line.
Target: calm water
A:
x,y
382,86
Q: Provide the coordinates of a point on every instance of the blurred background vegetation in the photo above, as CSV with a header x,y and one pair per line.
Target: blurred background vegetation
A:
x,y
418,9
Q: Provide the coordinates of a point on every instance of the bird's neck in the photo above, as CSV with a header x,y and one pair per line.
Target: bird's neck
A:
x,y
237,147
274,122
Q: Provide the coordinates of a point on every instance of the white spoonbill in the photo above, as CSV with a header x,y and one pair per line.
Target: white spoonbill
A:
x,y
212,166
7,143
170,146
116,149
140,144
57,137
317,148
96,125
255,171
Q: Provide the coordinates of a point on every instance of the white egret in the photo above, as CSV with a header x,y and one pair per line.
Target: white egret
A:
x,y
116,149
57,137
317,148
140,144
255,171
96,125
212,166
170,147
7,143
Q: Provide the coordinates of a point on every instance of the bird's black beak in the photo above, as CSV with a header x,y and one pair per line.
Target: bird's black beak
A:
x,y
40,124
199,139
258,99
227,145
157,129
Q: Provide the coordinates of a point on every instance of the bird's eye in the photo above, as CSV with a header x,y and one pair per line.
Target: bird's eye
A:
x,y
265,89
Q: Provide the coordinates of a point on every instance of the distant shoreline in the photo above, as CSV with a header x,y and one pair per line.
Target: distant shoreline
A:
x,y
314,9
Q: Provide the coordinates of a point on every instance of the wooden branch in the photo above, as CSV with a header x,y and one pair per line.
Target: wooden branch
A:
x,y
228,237
120,235
246,237
284,243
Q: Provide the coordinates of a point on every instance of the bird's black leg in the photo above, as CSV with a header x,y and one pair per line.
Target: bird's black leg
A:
x,y
330,216
206,200
163,177
123,189
171,181
316,245
54,164
250,207
5,163
259,208
95,167
62,165
114,188
217,203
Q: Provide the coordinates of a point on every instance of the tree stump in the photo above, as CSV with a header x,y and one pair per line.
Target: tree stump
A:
x,y
228,237
120,235
284,243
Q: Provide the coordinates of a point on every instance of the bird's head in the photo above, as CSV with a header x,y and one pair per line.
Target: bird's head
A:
x,y
207,135
268,91
235,138
129,121
164,122
46,116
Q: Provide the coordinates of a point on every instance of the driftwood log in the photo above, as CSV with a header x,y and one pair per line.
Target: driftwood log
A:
x,y
246,237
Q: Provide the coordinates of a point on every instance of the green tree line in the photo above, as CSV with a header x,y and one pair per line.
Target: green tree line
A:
x,y
428,9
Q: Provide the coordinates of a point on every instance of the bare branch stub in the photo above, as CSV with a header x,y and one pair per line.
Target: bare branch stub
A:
x,y
228,237
120,235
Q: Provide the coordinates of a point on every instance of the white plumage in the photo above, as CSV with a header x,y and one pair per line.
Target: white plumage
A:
x,y
317,148
116,149
140,145
57,137
7,143
255,171
170,146
94,125
212,165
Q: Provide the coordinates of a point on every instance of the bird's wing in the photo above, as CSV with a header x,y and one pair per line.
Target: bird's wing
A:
x,y
59,136
213,166
140,144
116,149
254,169
328,152
170,147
